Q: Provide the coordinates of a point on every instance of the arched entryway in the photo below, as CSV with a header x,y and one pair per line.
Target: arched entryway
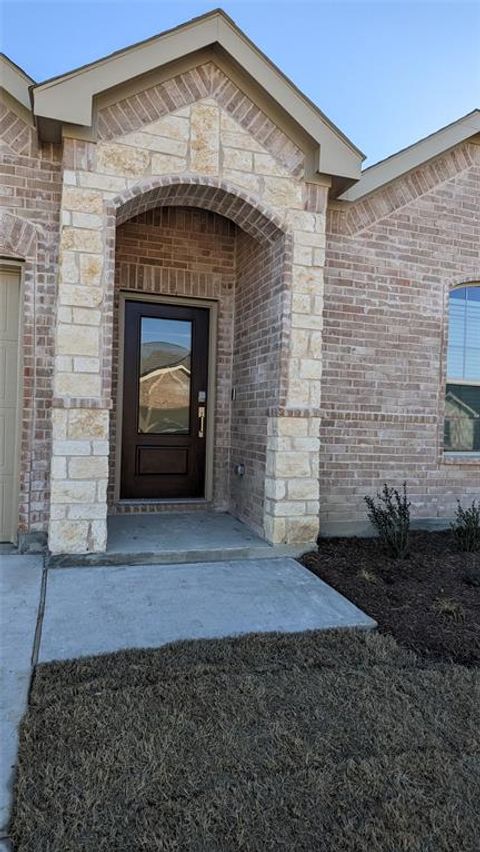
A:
x,y
200,281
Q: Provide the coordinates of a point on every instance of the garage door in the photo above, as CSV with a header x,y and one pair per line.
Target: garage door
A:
x,y
9,394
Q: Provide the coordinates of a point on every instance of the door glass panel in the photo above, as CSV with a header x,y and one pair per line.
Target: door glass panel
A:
x,y
164,380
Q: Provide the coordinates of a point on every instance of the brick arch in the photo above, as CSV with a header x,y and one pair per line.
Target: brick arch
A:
x,y
218,196
18,236
209,193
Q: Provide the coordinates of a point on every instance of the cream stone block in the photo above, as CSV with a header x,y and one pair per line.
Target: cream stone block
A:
x,y
64,314
282,192
292,464
319,256
105,183
59,424
275,529
309,443
91,269
102,490
311,368
265,164
86,316
301,303
69,177
163,164
314,321
89,297
88,467
64,447
300,342
82,239
303,489
298,393
58,513
77,340
66,217
302,255
64,364
86,365
58,468
302,530
77,384
87,512
292,426
275,489
67,491
67,536
234,136
122,160
306,238
173,126
85,423
86,220
287,508
307,279
315,345
153,142
82,200
243,179
236,159
204,138
69,267
97,536
301,220
100,448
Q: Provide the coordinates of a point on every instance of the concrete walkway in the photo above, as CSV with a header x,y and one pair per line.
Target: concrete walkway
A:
x,y
96,610
20,591
80,611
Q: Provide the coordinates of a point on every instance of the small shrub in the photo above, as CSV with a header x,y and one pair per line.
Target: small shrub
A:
x,y
449,608
466,527
389,513
368,576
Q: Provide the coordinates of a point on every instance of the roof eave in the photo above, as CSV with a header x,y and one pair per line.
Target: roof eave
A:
x,y
69,99
379,175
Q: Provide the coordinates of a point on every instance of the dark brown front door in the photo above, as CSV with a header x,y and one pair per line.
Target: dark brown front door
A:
x,y
164,401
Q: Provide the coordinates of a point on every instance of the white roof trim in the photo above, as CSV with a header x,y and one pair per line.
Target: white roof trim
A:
x,y
15,81
412,157
68,99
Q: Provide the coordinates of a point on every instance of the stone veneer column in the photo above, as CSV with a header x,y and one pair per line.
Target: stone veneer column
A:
x,y
79,465
292,500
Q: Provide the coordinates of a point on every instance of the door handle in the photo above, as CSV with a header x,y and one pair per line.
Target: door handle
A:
x,y
201,419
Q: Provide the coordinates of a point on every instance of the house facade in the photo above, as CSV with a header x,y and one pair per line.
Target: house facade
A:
x,y
207,305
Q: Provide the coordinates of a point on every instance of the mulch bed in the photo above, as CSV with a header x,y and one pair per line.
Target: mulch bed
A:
x,y
312,742
429,602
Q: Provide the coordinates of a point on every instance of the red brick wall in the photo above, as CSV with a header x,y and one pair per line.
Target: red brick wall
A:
x,y
259,294
391,261
30,176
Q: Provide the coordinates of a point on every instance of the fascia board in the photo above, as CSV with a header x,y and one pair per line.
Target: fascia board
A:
x,y
411,158
69,99
15,82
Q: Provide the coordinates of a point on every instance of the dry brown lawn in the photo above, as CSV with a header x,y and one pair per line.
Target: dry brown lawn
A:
x,y
336,742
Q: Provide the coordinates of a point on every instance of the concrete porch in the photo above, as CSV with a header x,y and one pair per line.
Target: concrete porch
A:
x,y
158,538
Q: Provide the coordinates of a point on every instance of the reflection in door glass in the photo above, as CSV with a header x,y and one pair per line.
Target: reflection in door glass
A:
x,y
164,381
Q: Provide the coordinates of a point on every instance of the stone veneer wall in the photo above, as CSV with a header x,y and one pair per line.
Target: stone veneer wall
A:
x,y
30,178
186,252
391,261
195,140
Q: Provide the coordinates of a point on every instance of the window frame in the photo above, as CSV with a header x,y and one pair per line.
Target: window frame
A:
x,y
464,456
